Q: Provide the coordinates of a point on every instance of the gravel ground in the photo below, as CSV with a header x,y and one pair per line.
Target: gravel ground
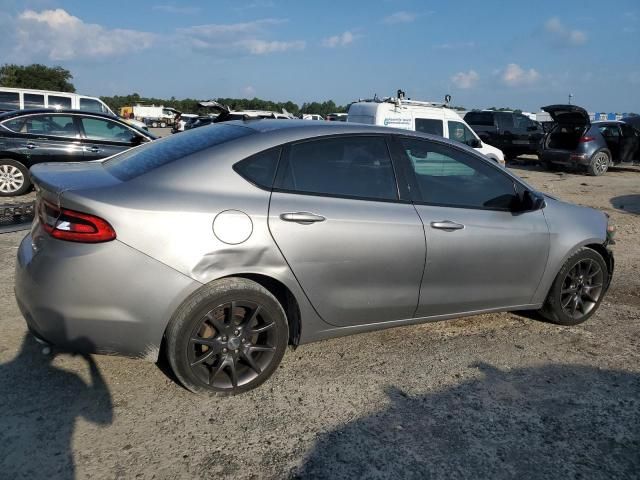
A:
x,y
493,396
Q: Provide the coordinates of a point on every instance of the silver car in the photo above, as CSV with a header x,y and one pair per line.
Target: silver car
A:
x,y
220,246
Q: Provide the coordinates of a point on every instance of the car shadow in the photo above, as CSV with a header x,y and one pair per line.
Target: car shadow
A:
x,y
553,421
39,406
627,203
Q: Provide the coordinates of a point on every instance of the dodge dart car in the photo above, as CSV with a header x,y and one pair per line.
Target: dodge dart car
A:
x,y
220,246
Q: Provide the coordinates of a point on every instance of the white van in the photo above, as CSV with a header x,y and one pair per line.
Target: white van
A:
x,y
22,99
427,117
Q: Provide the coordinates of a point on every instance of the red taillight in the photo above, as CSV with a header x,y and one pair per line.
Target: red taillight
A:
x,y
73,226
586,139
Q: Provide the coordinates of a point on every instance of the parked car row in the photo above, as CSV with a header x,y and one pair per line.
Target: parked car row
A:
x,y
572,140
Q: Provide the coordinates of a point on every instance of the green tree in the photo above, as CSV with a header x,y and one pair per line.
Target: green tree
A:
x,y
36,76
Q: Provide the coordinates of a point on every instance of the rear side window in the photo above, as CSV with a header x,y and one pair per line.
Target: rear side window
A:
x,y
9,101
91,105
56,101
357,167
609,131
479,118
32,100
259,169
145,158
425,125
56,125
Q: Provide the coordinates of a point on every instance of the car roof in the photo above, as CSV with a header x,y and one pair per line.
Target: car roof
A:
x,y
35,111
297,129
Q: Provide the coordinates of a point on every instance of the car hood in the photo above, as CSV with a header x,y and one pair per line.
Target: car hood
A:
x,y
568,114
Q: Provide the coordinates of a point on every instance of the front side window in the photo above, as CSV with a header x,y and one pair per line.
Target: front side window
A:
x,y
56,125
450,177
9,101
459,132
101,129
32,100
425,125
91,105
358,167
56,101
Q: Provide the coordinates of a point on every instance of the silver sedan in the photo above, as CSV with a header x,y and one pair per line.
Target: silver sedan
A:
x,y
220,246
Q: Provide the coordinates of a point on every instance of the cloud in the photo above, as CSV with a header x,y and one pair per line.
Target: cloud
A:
x,y
516,76
56,35
249,91
454,46
175,9
341,40
237,38
399,17
564,36
465,80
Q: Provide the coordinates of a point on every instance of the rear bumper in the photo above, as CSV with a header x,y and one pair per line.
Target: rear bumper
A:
x,y
98,298
564,157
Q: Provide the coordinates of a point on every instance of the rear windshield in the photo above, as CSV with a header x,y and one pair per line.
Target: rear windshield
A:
x,y
138,161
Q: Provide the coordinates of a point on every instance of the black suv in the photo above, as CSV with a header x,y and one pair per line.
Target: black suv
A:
x,y
28,137
513,133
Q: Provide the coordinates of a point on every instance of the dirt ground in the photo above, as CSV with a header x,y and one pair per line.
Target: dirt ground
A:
x,y
493,396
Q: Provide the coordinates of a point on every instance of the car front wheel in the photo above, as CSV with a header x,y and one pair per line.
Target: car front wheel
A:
x,y
578,289
227,338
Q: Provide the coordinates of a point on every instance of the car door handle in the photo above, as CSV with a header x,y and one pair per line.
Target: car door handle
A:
x,y
92,149
302,217
447,225
31,145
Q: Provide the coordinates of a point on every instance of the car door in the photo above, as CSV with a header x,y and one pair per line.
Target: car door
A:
x,y
103,137
611,134
356,249
629,143
480,254
45,138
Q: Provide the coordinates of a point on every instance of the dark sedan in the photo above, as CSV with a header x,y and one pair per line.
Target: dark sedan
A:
x,y
28,137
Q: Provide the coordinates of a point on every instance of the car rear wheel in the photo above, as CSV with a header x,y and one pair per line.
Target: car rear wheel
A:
x,y
578,289
227,338
599,163
14,178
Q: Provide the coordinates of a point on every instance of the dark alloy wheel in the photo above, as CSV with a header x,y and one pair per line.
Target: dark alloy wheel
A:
x,y
227,338
581,288
578,288
232,344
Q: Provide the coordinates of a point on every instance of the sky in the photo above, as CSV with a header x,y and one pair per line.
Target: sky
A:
x,y
520,54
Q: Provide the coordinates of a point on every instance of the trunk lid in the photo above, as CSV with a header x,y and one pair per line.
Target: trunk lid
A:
x,y
568,114
56,178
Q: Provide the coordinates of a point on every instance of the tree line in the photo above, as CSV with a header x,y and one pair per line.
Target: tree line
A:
x,y
58,79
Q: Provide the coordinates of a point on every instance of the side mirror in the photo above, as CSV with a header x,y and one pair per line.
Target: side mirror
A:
x,y
528,201
474,143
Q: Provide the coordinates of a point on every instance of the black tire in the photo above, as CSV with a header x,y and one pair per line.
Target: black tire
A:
x,y
14,178
560,299
599,163
552,167
249,357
